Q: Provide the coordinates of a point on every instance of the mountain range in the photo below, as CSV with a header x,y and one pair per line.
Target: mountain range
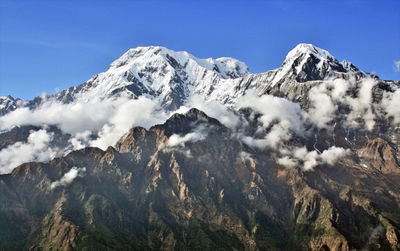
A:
x,y
166,151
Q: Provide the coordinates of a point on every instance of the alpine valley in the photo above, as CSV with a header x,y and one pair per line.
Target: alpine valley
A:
x,y
166,151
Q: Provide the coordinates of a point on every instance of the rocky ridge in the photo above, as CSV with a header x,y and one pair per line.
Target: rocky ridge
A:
x,y
174,77
193,183
144,195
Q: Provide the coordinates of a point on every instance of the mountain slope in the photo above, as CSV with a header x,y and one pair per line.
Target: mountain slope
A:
x,y
212,192
157,72
7,104
303,157
174,77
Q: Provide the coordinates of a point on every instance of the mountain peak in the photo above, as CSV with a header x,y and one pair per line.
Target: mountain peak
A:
x,y
173,77
225,67
309,54
308,49
7,103
179,123
8,97
307,62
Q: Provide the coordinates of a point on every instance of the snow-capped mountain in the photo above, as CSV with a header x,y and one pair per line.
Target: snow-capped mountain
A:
x,y
7,104
157,72
173,77
304,63
157,81
302,157
307,62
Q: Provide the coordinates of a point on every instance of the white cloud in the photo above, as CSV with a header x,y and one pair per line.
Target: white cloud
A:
x,y
71,118
278,115
326,97
111,118
361,107
68,177
179,141
332,154
80,140
35,149
279,119
213,109
287,161
396,65
282,118
391,104
339,88
129,113
75,117
253,142
322,109
311,159
245,156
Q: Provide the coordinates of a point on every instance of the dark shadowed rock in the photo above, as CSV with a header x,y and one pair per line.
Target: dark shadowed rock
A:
x,y
143,195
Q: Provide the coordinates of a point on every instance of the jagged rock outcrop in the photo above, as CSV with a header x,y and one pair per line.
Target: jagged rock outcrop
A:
x,y
191,183
214,192
7,104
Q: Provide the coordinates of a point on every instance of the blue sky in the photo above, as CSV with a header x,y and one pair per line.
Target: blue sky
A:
x,y
51,45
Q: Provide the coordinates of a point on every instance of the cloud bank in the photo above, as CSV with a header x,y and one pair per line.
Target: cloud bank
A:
x,y
109,118
279,117
102,122
308,160
35,149
326,98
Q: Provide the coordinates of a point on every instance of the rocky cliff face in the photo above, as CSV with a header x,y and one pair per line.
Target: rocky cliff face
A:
x,y
303,157
153,191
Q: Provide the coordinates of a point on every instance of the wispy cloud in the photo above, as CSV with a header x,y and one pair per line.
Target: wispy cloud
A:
x,y
69,177
65,44
396,65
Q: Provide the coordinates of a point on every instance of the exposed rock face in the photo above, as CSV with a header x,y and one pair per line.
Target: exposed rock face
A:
x,y
191,183
148,193
380,154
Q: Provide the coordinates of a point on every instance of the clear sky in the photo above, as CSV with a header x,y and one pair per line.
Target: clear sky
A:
x,y
51,45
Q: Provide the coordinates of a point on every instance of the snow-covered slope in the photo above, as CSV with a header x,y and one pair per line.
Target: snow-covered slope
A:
x,y
156,72
7,104
174,77
304,67
155,81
